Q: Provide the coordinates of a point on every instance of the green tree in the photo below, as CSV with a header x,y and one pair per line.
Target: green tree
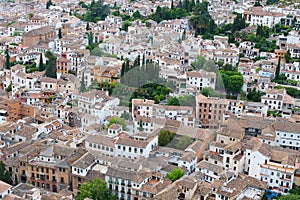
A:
x,y
165,137
48,4
59,33
117,120
82,84
50,65
4,174
173,101
187,100
96,11
16,180
238,23
141,125
88,26
254,95
96,190
42,67
277,72
137,15
287,56
125,115
8,89
199,63
201,20
235,83
90,38
123,69
209,91
175,174
290,197
30,15
125,25
7,58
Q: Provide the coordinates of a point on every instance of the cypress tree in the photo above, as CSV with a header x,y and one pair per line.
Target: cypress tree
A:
x,y
143,61
180,4
42,67
82,84
48,4
127,65
277,72
123,69
59,33
7,58
16,179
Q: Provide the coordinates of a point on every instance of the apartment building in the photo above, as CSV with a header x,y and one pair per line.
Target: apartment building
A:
x,y
287,134
257,16
210,110
142,107
13,110
63,65
95,105
274,99
200,79
131,185
240,187
100,144
80,169
145,124
291,71
50,169
278,177
135,146
184,114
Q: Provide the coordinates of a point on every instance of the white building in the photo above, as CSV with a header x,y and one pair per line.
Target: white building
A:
x,y
83,165
292,71
135,146
96,104
274,99
279,177
257,16
101,144
210,171
184,114
142,107
200,79
5,189
3,116
287,134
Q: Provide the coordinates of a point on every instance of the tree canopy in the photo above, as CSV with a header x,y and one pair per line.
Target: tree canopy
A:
x,y
290,197
117,120
96,11
254,95
165,137
175,174
50,65
4,174
186,100
96,190
209,91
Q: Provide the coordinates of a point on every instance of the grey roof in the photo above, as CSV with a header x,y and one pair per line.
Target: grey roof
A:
x,y
209,166
21,189
85,161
